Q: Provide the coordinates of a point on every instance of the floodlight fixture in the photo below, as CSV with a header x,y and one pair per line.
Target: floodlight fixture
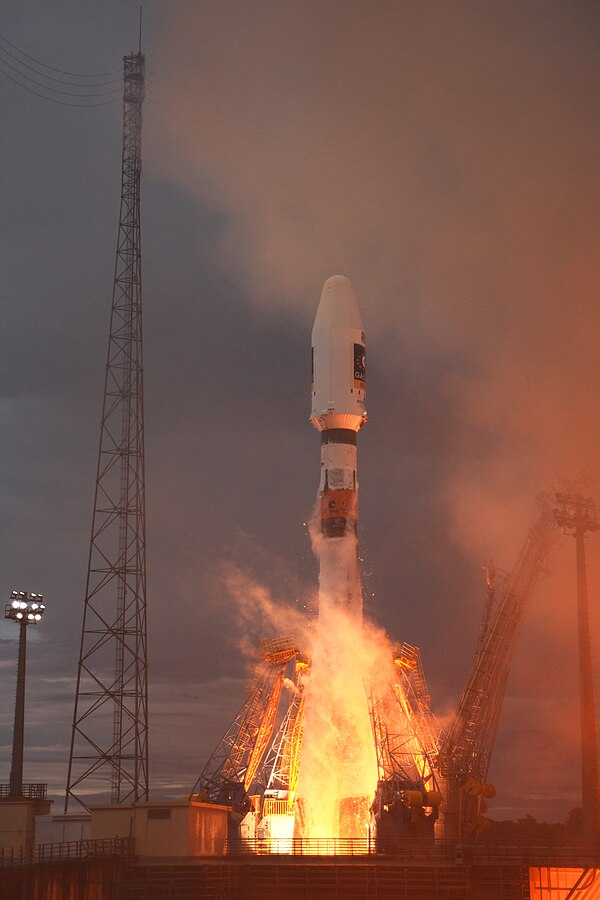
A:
x,y
25,607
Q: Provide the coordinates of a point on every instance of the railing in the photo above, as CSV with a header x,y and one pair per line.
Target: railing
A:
x,y
302,847
575,854
560,853
41,853
30,791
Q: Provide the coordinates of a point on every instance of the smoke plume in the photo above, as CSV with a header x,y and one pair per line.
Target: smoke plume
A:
x,y
445,158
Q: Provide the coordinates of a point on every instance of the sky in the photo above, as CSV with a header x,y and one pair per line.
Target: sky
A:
x,y
445,158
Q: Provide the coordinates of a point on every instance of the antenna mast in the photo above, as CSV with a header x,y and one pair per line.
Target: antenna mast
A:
x,y
109,741
576,515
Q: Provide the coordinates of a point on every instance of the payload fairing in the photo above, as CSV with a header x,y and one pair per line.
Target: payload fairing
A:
x,y
338,413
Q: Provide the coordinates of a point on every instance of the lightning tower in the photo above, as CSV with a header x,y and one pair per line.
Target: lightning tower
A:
x,y
576,515
109,740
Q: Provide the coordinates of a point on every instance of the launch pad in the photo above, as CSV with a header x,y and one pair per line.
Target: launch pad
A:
x,y
497,873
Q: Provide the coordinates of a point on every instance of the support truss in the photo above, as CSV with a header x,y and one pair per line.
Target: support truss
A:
x,y
230,772
109,742
281,768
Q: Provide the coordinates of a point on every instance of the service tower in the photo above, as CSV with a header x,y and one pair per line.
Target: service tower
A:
x,y
338,412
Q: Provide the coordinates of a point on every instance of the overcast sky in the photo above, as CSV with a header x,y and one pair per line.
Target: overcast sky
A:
x,y
442,155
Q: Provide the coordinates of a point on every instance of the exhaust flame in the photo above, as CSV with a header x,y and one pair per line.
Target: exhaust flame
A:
x,y
338,767
338,755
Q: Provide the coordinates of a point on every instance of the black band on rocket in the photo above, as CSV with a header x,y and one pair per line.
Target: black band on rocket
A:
x,y
338,436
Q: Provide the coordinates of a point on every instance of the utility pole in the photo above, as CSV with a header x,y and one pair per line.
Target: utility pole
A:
x,y
109,741
26,609
577,516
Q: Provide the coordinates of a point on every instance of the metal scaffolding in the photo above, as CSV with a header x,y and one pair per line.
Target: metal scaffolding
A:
x,y
230,772
109,742
466,749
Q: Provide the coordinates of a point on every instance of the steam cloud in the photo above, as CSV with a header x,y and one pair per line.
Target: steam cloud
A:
x,y
435,155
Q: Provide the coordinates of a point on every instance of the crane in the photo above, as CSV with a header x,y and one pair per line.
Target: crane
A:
x,y
466,749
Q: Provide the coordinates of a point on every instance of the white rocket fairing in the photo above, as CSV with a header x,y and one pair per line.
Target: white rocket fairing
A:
x,y
338,412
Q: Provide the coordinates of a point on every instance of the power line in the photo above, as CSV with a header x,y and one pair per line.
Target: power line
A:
x,y
54,90
54,99
53,69
52,78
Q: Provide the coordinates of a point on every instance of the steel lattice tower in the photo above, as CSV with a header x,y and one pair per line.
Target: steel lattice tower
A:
x,y
109,741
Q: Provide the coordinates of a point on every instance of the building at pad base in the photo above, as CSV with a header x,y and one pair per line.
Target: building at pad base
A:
x,y
184,828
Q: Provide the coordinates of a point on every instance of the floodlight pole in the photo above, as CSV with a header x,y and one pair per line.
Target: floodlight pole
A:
x,y
16,769
26,609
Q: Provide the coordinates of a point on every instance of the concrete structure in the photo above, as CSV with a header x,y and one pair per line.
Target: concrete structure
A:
x,y
182,828
17,820
60,829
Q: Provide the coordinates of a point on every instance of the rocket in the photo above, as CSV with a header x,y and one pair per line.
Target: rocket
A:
x,y
338,412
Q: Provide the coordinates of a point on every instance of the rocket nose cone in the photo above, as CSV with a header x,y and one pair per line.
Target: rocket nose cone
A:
x,y
338,304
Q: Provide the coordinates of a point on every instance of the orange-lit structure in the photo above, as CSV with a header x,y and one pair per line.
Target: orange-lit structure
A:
x,y
405,733
281,767
412,694
554,883
230,772
466,749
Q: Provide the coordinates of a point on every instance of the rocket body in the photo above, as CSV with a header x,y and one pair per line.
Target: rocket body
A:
x,y
338,412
